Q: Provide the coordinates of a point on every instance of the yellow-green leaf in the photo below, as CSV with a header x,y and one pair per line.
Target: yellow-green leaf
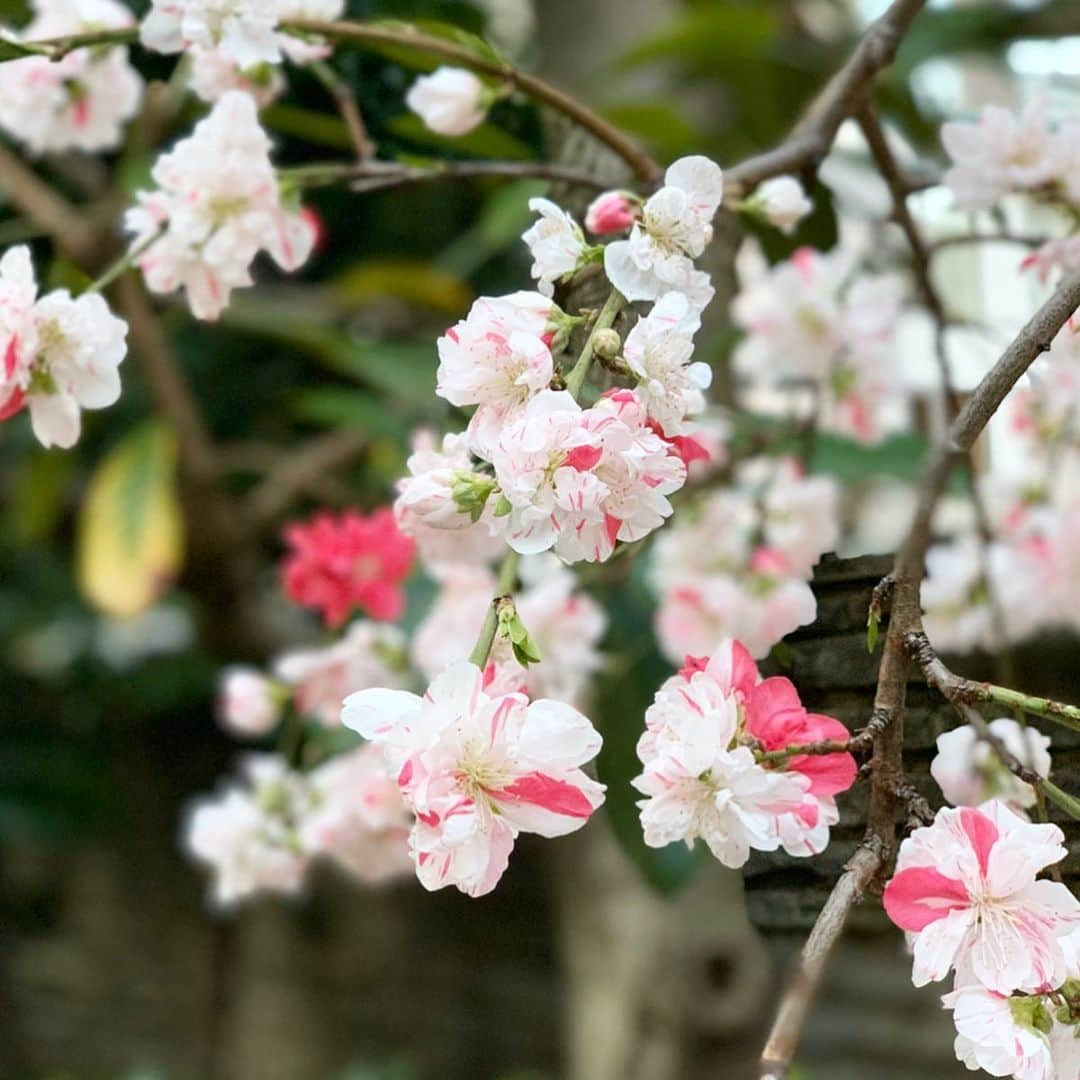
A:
x,y
131,534
414,280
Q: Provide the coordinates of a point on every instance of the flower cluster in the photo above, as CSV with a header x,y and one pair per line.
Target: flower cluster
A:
x,y
820,341
59,354
721,762
477,769
217,204
336,564
967,893
80,102
738,560
261,835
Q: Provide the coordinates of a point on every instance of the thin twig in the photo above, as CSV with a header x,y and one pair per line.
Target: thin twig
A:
x,y
374,175
350,112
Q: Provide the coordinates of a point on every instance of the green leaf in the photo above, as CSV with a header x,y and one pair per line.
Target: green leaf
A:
x,y
307,124
417,281
421,59
873,623
665,128
403,370
852,462
131,530
338,407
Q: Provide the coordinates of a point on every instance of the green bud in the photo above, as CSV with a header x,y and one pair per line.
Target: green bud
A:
x,y
470,491
606,344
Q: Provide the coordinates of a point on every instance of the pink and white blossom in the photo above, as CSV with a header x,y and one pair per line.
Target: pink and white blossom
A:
x,y
497,358
815,339
80,102
358,818
248,834
703,778
1005,1036
60,354
451,101
966,889
999,153
368,654
249,704
477,770
675,227
214,75
556,243
216,206
658,351
969,772
242,31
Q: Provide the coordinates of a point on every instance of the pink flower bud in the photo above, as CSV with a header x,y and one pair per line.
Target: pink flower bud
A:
x,y
608,213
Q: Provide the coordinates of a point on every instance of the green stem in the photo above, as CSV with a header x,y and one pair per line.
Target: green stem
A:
x,y
122,264
1060,798
504,586
1065,715
58,48
826,746
612,306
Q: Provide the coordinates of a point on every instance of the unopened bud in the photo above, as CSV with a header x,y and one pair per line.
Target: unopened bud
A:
x,y
606,344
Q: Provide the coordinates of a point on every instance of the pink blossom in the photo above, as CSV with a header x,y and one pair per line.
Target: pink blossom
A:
x,y
248,702
337,564
368,654
359,821
613,211
477,770
965,888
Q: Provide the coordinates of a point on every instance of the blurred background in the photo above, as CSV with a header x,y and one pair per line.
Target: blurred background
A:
x,y
594,959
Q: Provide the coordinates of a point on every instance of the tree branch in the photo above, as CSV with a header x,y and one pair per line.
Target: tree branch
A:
x,y
375,175
783,1039
812,138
